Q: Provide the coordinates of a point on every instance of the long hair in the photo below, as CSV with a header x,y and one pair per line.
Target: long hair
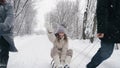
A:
x,y
2,1
58,37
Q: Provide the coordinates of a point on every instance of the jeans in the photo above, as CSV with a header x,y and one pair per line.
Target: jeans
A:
x,y
102,54
4,53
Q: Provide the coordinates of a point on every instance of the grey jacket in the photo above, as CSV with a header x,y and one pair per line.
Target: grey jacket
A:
x,y
6,24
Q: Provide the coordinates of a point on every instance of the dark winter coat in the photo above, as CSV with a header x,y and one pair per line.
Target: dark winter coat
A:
x,y
6,24
108,17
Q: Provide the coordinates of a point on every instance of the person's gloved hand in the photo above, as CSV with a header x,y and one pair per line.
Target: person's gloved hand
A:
x,y
100,35
49,27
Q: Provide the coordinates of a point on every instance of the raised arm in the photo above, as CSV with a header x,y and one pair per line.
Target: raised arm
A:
x,y
50,32
102,15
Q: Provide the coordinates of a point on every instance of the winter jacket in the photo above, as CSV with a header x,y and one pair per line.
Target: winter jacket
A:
x,y
108,20
61,46
6,24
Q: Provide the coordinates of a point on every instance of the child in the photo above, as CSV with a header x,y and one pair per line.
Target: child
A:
x,y
60,52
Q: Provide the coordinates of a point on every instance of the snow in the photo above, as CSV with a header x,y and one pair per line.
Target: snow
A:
x,y
34,52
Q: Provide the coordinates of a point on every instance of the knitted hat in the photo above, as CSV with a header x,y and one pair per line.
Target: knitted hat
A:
x,y
60,30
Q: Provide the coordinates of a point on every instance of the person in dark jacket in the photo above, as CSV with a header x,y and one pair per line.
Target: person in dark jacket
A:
x,y
108,17
6,38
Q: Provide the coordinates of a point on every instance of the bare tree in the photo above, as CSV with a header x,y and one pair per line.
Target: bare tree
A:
x,y
90,20
66,15
24,16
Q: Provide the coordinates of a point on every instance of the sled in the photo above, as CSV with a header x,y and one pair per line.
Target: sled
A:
x,y
53,65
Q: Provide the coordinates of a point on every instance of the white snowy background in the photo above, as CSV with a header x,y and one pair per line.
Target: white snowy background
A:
x,y
34,51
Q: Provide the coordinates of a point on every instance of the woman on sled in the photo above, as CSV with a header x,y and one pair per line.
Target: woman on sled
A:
x,y
60,53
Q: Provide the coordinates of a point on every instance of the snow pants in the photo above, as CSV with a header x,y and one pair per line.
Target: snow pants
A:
x,y
4,53
103,53
56,55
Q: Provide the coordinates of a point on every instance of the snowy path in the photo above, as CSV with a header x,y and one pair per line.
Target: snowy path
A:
x,y
34,52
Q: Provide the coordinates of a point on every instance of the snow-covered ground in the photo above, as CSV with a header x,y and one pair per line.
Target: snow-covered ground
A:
x,y
34,52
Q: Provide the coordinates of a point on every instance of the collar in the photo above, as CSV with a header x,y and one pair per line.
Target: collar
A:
x,y
62,39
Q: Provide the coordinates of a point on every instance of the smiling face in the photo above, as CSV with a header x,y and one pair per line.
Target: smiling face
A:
x,y
61,34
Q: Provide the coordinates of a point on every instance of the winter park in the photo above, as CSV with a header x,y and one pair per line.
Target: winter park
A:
x,y
71,33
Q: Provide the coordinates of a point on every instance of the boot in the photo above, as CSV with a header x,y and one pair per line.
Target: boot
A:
x,y
60,66
68,60
66,66
56,61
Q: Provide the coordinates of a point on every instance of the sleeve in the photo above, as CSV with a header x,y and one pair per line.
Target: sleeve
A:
x,y
8,23
64,52
102,15
50,32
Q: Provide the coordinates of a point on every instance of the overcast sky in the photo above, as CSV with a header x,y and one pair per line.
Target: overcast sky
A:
x,y
43,7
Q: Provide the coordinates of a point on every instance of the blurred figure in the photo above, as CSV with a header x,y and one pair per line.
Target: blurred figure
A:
x,y
108,17
6,25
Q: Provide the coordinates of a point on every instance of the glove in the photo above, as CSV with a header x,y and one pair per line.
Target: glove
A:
x,y
49,27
